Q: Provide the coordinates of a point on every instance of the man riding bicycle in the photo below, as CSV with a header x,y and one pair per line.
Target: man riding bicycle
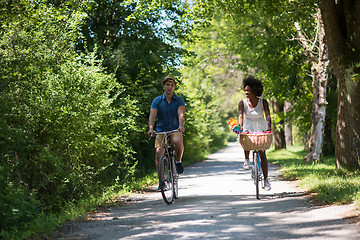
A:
x,y
169,109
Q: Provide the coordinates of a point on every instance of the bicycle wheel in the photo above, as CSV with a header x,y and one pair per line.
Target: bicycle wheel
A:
x,y
176,177
166,176
256,173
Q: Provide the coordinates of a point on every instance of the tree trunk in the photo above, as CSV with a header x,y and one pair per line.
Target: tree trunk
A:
x,y
328,146
320,73
342,29
287,125
279,135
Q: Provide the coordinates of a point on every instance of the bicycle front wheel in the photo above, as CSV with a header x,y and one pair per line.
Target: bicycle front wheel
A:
x,y
256,173
176,177
166,180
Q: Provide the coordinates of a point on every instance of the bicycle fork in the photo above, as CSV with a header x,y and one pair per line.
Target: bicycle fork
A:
x,y
256,157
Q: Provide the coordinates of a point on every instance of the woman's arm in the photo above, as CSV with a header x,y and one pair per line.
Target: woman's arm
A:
x,y
267,113
241,113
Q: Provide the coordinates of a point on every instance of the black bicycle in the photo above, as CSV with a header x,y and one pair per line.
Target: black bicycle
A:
x,y
168,176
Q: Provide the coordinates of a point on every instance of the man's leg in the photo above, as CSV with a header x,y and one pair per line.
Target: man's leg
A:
x,y
159,151
177,140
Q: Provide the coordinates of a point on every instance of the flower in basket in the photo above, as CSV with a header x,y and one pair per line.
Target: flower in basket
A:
x,y
234,125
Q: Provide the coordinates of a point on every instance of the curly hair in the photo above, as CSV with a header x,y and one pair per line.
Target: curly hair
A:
x,y
255,84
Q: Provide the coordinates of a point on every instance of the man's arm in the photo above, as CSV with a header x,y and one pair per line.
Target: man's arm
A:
x,y
181,113
153,113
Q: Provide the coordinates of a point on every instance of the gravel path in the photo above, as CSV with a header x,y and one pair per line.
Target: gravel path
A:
x,y
217,201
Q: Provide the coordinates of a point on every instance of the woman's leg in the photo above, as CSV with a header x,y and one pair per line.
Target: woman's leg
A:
x,y
246,153
264,163
246,165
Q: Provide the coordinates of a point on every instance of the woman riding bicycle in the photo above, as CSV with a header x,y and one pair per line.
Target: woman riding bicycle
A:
x,y
169,109
254,107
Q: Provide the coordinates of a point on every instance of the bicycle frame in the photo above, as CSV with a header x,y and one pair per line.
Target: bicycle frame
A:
x,y
167,142
256,171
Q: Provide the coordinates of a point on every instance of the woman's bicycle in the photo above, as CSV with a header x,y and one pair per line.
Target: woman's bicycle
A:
x,y
255,142
168,176
256,172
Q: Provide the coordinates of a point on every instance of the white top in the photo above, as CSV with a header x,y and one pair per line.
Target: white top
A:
x,y
254,117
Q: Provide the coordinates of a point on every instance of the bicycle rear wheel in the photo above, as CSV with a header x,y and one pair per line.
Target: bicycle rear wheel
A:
x,y
256,173
166,176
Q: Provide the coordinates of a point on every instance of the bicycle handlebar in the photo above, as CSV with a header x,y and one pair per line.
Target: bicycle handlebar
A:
x,y
164,133
158,133
254,133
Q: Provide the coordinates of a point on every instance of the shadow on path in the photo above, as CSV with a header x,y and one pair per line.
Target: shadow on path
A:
x,y
217,202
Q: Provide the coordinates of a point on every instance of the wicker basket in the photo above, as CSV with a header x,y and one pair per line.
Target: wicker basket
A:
x,y
256,141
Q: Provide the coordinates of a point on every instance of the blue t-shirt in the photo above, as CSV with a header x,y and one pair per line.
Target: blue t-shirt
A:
x,y
167,113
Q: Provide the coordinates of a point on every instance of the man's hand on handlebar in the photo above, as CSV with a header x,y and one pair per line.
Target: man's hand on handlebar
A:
x,y
150,133
181,129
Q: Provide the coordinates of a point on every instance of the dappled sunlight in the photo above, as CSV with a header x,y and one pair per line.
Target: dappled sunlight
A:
x,y
221,217
217,201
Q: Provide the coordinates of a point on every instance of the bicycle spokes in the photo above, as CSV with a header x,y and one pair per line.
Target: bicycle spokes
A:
x,y
166,177
257,172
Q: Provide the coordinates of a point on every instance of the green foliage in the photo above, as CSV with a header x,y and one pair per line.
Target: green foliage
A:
x,y
262,35
17,205
140,50
64,120
212,93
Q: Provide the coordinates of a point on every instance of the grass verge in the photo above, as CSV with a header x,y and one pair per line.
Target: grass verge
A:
x,y
325,183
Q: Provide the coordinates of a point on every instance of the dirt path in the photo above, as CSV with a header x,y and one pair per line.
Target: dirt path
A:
x,y
217,202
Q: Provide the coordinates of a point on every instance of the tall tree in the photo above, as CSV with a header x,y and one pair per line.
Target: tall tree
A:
x,y
320,68
342,30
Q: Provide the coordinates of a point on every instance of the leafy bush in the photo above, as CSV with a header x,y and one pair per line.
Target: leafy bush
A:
x,y
17,205
65,122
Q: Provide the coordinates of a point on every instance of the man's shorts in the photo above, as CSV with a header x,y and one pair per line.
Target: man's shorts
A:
x,y
160,141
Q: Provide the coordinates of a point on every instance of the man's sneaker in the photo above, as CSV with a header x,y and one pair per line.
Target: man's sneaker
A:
x,y
162,186
267,185
179,168
246,165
